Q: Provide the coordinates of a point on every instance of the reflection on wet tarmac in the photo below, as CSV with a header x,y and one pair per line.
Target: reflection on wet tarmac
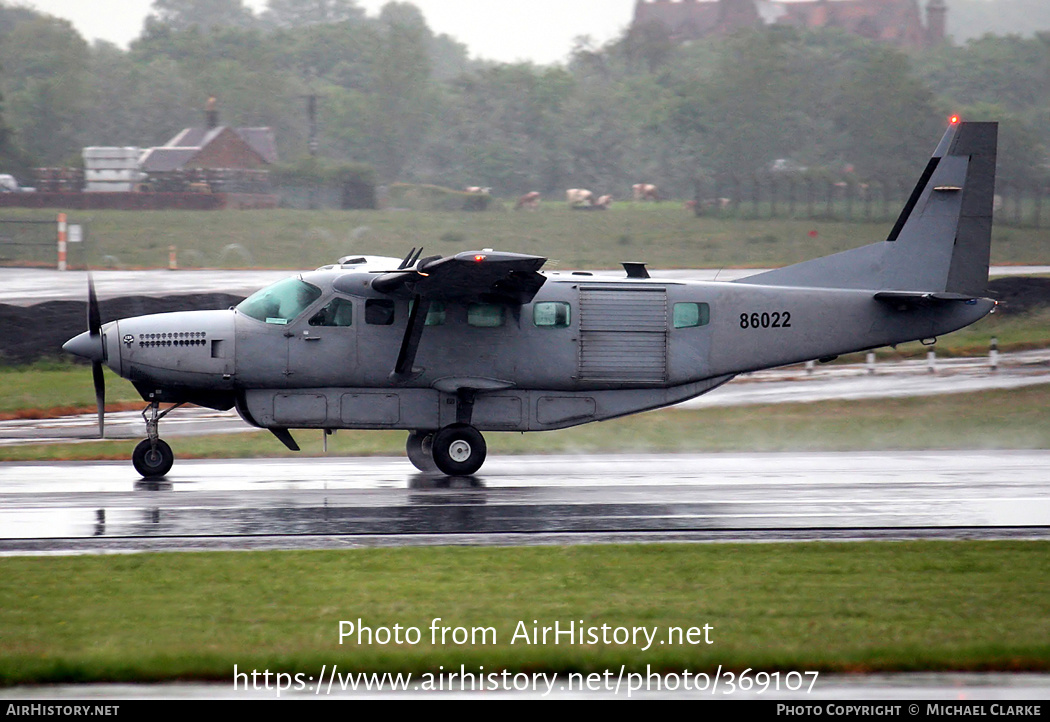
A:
x,y
531,496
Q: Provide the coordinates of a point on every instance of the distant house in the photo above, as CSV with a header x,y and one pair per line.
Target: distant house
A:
x,y
213,147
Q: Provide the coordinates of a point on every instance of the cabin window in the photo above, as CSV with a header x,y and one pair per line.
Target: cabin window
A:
x,y
339,312
280,303
552,314
485,315
379,312
436,314
691,315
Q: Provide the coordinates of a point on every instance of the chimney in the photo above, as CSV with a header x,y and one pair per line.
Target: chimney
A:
x,y
211,113
936,22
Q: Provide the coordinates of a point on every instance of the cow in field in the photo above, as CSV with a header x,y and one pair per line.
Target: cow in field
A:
x,y
578,197
644,192
601,204
478,189
529,201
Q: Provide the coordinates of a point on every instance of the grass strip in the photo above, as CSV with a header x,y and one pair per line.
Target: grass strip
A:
x,y
812,606
665,235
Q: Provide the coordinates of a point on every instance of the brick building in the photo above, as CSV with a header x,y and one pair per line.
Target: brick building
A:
x,y
213,147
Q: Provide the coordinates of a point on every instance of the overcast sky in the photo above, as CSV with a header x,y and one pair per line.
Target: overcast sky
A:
x,y
505,30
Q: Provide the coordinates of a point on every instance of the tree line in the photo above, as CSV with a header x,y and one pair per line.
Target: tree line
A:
x,y
416,107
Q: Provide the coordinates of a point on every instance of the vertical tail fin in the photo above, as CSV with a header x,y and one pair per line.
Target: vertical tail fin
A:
x,y
942,239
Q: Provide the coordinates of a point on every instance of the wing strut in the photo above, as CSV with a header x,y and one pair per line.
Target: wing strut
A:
x,y
417,320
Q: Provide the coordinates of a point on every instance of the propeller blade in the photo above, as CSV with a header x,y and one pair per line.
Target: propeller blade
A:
x,y
94,318
100,397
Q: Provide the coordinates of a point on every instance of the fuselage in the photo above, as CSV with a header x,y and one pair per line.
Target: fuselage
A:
x,y
317,350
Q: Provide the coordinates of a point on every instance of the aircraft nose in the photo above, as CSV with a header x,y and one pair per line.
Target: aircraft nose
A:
x,y
85,346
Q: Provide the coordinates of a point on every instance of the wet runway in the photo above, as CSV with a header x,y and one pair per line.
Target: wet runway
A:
x,y
336,503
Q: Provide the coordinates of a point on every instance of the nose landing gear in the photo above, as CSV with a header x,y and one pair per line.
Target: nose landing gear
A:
x,y
153,457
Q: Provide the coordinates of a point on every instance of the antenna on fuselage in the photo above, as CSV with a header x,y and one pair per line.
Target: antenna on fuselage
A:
x,y
405,260
411,258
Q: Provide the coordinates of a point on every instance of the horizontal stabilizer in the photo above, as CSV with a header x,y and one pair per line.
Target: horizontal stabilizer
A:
x,y
913,299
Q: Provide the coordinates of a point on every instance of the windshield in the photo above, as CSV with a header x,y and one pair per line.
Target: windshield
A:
x,y
280,303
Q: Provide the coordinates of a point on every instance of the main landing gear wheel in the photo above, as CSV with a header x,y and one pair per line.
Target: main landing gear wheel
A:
x,y
459,450
152,459
420,449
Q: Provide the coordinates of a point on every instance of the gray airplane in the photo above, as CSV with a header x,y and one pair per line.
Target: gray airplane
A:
x,y
448,347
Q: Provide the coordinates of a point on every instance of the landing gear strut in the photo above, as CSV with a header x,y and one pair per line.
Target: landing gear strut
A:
x,y
153,457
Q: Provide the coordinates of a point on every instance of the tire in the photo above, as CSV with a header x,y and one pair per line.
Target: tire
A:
x,y
420,450
151,462
459,450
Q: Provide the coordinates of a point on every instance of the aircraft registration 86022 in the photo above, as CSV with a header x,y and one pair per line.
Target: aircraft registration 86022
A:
x,y
448,347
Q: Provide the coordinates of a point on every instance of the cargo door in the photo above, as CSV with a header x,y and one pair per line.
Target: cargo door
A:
x,y
623,335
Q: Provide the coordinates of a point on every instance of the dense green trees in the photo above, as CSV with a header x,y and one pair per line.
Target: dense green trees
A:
x,y
416,107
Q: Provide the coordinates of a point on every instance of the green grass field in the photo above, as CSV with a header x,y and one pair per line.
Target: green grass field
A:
x,y
803,607
664,235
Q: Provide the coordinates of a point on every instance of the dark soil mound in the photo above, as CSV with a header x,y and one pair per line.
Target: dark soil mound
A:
x,y
1020,294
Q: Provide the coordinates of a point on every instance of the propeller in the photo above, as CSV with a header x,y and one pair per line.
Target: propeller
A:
x,y
95,328
92,346
94,319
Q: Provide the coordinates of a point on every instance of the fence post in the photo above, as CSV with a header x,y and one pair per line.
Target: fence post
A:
x,y
62,241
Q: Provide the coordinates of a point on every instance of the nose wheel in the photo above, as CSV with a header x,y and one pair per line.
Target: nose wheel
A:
x,y
153,457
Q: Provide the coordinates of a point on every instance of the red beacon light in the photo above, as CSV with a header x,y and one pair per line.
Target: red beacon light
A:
x,y
954,120
479,258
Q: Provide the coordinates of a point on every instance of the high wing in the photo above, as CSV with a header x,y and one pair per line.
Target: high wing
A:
x,y
482,276
474,276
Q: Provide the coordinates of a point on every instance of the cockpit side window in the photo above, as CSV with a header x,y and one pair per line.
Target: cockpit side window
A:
x,y
281,302
340,313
